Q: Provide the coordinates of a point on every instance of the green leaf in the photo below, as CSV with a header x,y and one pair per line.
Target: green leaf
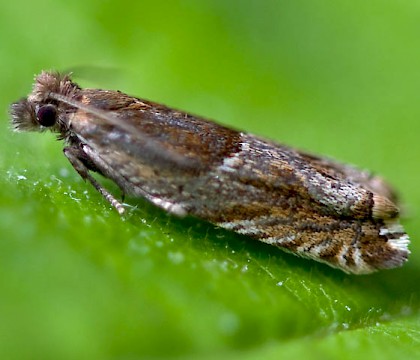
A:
x,y
78,281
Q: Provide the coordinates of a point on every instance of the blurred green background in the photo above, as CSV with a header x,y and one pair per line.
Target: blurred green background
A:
x,y
335,77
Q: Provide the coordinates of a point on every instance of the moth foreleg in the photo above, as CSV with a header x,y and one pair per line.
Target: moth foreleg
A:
x,y
85,154
74,155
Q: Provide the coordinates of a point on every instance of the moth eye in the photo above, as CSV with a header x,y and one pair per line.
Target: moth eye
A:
x,y
47,115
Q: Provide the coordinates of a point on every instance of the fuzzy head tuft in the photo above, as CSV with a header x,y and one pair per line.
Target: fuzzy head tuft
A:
x,y
23,116
38,111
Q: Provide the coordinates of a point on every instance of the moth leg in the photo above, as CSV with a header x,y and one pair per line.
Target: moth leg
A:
x,y
85,154
75,156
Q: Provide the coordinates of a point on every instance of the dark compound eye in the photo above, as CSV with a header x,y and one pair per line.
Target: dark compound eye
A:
x,y
47,115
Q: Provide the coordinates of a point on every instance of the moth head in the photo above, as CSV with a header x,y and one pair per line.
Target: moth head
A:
x,y
40,110
27,116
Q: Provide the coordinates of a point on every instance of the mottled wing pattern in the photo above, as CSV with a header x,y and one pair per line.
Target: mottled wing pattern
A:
x,y
325,216
311,206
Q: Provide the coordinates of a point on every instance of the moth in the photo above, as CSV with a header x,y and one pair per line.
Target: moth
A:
x,y
310,206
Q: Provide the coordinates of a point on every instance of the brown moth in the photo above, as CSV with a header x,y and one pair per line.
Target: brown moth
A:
x,y
311,206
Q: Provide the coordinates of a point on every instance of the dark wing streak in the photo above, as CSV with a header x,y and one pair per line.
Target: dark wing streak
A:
x,y
150,145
